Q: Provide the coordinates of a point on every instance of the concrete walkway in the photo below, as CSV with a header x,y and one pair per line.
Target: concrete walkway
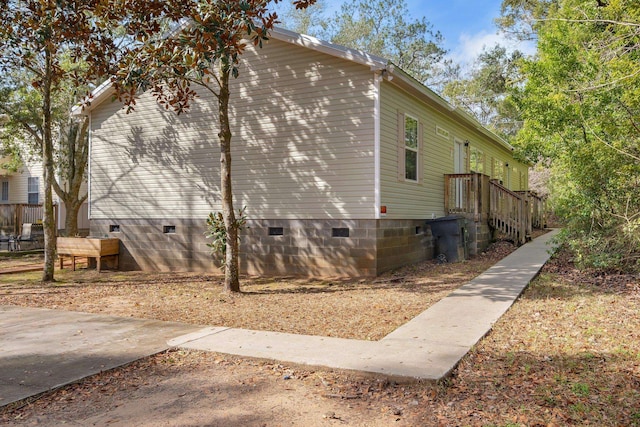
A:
x,y
43,349
427,347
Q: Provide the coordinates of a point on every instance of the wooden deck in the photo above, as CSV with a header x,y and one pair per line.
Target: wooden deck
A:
x,y
13,215
511,213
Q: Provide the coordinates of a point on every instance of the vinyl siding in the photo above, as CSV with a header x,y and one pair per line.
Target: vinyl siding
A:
x,y
303,145
18,183
422,200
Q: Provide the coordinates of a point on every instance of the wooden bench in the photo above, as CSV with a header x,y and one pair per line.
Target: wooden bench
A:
x,y
74,247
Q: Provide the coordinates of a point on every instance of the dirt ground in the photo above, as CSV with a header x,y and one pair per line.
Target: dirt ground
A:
x,y
567,353
366,309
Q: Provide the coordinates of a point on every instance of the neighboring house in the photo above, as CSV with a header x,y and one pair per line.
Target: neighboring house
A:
x,y
23,191
24,186
339,157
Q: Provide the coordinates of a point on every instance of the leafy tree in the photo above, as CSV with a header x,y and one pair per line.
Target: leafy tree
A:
x,y
520,17
484,93
202,47
52,43
581,105
381,28
23,137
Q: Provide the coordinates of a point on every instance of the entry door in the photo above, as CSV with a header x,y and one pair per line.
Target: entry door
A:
x,y
460,157
460,166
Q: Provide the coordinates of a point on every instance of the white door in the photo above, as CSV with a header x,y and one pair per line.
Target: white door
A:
x,y
460,166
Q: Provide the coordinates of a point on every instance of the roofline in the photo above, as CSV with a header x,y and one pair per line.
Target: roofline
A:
x,y
376,63
449,109
99,94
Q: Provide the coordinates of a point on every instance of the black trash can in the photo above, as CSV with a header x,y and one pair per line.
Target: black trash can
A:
x,y
450,237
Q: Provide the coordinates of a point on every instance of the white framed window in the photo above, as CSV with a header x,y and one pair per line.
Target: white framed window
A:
x,y
410,136
33,190
410,148
476,160
4,193
498,170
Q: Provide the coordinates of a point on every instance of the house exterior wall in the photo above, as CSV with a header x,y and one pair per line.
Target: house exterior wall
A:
x,y
305,247
425,199
304,163
303,145
18,182
405,199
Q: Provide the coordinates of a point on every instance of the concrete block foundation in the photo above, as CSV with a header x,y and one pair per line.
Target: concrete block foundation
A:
x,y
351,248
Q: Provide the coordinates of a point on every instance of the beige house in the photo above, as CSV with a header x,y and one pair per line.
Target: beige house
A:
x,y
339,157
22,196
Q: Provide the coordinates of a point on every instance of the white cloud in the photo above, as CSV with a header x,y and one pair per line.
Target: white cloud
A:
x,y
471,45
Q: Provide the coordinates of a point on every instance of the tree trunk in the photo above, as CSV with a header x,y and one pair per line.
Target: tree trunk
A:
x,y
231,272
71,220
77,151
49,224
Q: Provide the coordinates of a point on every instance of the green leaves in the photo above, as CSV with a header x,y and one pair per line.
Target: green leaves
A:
x,y
217,232
581,107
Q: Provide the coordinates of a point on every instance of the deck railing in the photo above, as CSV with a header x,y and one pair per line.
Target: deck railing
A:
x,y
511,213
537,208
467,193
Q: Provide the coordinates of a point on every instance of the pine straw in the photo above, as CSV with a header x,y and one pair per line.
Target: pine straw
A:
x,y
360,309
566,354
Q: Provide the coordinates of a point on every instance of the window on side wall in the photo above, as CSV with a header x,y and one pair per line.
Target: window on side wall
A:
x,y
409,148
4,195
498,170
476,160
33,187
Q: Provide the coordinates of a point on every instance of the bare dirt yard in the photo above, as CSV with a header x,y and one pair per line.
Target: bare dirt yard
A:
x,y
566,353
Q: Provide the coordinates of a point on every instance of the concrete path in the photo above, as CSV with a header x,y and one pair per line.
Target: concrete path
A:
x,y
43,349
427,347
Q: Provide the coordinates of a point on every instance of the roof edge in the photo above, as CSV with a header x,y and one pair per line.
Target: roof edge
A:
x,y
450,109
99,94
377,63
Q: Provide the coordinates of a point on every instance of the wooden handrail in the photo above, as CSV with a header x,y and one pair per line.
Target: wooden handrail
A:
x,y
509,213
513,213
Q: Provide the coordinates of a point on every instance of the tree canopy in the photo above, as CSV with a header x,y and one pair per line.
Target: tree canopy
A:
x,y
45,46
382,28
581,111
484,92
179,44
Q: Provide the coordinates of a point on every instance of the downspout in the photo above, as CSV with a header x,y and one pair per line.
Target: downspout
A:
x,y
89,174
377,78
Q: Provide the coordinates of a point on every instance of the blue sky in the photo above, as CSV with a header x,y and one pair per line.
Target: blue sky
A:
x,y
466,25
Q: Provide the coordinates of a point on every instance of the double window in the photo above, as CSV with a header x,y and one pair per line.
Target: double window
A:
x,y
33,189
409,148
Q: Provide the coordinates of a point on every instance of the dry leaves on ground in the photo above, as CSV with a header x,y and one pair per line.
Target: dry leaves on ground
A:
x,y
365,309
567,353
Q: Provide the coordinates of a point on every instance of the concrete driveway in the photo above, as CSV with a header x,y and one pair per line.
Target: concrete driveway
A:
x,y
42,349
